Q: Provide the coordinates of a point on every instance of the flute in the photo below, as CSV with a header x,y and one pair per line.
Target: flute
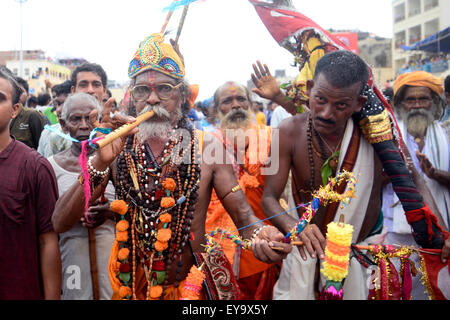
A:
x,y
119,132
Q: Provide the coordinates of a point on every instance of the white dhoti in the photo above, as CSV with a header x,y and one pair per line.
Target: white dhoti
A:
x,y
296,281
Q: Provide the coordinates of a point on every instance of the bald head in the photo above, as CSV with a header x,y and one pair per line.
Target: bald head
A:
x,y
76,100
231,95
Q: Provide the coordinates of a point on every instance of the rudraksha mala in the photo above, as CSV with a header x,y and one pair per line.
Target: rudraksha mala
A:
x,y
145,200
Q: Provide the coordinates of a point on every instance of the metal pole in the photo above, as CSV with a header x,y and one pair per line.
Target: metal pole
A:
x,y
21,34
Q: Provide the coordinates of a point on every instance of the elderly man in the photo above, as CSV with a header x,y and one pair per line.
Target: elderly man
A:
x,y
84,262
89,78
338,92
167,188
419,106
248,147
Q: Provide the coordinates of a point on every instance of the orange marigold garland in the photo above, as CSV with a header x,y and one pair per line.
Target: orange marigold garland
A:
x,y
167,202
120,207
169,184
193,284
122,225
163,236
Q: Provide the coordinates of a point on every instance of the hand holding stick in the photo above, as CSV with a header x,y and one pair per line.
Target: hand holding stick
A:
x,y
123,130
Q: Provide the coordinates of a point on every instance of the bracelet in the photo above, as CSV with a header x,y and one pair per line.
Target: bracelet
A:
x,y
257,231
236,188
96,176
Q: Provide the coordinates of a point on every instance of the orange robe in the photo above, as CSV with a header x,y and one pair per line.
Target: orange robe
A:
x,y
256,278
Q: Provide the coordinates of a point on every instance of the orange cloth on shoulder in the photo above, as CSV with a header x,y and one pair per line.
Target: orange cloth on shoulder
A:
x,y
252,184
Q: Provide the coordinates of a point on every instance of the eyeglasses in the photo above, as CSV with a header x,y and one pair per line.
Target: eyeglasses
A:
x,y
164,91
422,101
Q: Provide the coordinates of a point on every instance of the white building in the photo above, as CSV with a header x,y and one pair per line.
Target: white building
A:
x,y
416,20
35,72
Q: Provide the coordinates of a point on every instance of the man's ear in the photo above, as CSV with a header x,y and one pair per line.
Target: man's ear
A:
x,y
309,86
16,109
62,122
361,102
72,89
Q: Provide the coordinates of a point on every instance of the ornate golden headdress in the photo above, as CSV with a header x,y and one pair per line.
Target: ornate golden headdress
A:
x,y
154,54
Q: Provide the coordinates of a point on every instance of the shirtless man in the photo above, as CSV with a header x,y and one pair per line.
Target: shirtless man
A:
x,y
319,142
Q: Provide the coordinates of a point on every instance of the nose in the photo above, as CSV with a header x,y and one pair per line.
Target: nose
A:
x,y
236,104
417,104
84,123
326,112
153,98
90,89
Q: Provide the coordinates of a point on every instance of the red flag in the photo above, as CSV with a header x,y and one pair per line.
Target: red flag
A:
x,y
350,39
435,274
284,22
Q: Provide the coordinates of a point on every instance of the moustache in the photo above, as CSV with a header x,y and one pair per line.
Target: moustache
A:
x,y
236,114
417,112
331,122
161,114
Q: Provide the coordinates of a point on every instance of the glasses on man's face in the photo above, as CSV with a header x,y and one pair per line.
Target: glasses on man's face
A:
x,y
422,101
164,91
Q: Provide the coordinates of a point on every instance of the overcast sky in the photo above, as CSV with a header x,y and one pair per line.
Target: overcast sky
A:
x,y
220,39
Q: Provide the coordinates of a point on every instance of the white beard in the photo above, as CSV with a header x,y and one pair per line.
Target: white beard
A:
x,y
236,119
418,120
159,126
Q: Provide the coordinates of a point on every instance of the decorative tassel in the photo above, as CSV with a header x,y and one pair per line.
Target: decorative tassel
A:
x,y
332,291
406,281
337,257
193,284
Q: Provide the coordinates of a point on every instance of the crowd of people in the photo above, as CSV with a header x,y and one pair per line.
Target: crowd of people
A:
x,y
436,63
128,220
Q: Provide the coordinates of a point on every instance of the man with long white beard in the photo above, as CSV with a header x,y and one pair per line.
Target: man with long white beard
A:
x,y
247,146
165,171
419,106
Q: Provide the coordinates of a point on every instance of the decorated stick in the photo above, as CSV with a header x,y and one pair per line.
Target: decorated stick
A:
x,y
180,26
293,243
323,196
370,247
119,132
169,15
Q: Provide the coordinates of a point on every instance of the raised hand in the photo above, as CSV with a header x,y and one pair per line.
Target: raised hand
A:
x,y
425,165
266,85
106,155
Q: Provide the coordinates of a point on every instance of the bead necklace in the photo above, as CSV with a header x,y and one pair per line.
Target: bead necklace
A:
x,y
145,194
330,163
333,158
310,155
